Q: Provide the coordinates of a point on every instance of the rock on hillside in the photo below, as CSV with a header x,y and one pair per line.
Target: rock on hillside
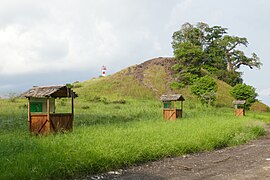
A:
x,y
155,74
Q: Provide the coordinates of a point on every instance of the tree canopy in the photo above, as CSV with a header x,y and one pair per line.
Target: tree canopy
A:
x,y
244,92
201,46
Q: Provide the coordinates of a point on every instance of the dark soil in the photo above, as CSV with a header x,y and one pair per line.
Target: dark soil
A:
x,y
248,161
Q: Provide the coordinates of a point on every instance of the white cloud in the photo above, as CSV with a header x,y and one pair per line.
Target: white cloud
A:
x,y
264,92
71,39
60,35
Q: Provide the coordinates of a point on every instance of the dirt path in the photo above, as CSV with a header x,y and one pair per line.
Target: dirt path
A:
x,y
248,161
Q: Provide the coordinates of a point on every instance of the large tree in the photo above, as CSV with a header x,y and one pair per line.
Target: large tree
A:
x,y
220,51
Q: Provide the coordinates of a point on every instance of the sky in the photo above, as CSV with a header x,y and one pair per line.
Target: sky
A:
x,y
62,41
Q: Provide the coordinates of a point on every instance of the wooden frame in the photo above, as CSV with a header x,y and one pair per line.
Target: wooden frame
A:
x,y
172,112
48,121
240,106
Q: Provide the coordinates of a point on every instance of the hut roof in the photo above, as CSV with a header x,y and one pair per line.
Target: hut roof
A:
x,y
56,91
172,97
236,102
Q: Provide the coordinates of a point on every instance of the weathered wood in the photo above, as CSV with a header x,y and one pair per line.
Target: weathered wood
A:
x,y
49,91
29,115
182,105
239,112
56,123
61,122
39,124
172,97
43,121
48,109
172,114
72,105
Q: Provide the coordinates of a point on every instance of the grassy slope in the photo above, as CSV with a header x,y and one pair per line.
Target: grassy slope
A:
x,y
155,82
115,86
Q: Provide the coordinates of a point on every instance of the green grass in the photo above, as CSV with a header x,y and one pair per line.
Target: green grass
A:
x,y
107,136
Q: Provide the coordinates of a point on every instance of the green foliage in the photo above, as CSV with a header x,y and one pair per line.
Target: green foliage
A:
x,y
77,84
205,89
189,57
232,78
176,85
109,136
69,85
213,49
244,92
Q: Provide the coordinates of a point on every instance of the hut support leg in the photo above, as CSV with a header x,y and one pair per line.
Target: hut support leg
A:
x,y
48,112
29,116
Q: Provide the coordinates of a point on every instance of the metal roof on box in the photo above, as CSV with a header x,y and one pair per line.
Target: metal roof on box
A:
x,y
235,102
172,97
56,91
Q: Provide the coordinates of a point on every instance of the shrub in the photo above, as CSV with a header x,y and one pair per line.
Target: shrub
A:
x,y
244,92
205,89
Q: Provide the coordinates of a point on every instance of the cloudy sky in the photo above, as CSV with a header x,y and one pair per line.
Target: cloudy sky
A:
x,y
62,41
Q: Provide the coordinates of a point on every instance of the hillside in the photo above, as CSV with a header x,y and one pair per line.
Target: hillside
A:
x,y
148,80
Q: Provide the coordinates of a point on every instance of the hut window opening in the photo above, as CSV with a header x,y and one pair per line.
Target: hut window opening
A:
x,y
167,105
36,106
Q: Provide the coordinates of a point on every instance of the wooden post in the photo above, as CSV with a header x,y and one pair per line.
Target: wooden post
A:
x,y
29,115
182,105
72,110
181,109
72,105
48,111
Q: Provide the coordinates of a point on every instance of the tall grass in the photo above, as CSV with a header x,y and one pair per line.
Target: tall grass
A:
x,y
109,136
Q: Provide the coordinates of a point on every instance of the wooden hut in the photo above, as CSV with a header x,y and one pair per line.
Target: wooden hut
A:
x,y
171,109
41,109
239,107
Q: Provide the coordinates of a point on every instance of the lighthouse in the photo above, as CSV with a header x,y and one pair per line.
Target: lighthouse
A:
x,y
103,71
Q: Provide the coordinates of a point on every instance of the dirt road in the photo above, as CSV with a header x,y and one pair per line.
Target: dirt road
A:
x,y
248,161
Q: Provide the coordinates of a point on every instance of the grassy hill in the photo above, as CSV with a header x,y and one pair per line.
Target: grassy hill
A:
x,y
148,80
118,123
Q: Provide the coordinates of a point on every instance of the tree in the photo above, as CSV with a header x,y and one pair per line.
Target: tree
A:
x,y
188,33
244,92
205,89
189,57
235,58
214,50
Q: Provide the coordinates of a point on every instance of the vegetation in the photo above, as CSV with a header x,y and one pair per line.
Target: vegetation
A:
x,y
213,49
244,92
109,136
205,89
118,119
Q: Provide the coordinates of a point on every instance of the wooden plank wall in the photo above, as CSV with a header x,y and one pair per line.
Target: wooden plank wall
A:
x,y
57,123
239,112
169,114
61,122
39,124
172,114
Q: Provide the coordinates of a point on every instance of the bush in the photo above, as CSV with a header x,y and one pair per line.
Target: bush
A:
x,y
244,92
205,89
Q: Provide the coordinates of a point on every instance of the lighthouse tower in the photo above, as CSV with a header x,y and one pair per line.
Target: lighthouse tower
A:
x,y
103,71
